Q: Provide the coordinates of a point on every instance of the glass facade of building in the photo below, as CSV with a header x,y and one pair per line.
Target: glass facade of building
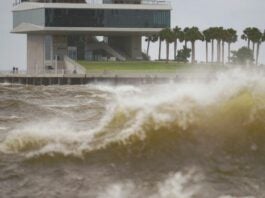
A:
x,y
34,16
48,45
107,18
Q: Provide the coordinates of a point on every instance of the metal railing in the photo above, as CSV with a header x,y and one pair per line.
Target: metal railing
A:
x,y
136,1
156,2
16,2
152,2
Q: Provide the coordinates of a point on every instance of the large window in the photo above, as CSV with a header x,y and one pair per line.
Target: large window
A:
x,y
107,18
48,48
34,16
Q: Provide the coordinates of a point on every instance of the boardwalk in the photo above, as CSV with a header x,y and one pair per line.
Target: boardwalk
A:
x,y
113,77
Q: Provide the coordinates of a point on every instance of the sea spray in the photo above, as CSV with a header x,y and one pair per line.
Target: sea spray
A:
x,y
134,113
177,185
135,141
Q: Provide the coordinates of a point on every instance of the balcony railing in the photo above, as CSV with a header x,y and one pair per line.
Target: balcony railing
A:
x,y
160,2
16,2
149,2
137,1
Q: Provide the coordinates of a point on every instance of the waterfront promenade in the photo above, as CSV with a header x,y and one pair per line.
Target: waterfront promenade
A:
x,y
113,77
196,72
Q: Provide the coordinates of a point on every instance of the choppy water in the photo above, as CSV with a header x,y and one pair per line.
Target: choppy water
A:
x,y
190,139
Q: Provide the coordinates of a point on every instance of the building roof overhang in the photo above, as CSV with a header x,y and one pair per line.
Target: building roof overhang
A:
x,y
26,28
30,6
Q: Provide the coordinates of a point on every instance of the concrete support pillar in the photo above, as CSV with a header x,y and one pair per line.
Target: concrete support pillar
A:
x,y
130,45
136,47
35,53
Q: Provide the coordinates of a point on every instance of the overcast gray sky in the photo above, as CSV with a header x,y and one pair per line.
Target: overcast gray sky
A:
x,y
237,14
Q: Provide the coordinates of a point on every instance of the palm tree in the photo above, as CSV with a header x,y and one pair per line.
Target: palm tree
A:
x,y
178,35
169,37
245,36
148,40
218,33
258,46
154,38
185,39
161,38
225,37
255,37
207,39
193,34
232,38
212,34
259,38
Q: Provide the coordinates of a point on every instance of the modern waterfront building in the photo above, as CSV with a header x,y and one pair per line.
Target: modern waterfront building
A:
x,y
61,30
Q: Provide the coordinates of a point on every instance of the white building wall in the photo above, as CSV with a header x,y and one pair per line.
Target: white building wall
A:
x,y
35,53
136,47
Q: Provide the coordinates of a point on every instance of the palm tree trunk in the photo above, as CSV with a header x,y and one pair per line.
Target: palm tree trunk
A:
x,y
248,44
175,49
218,51
159,50
223,52
257,53
167,51
253,47
206,52
229,52
193,51
212,51
148,46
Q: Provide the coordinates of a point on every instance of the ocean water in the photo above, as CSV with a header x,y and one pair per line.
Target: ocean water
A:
x,y
191,139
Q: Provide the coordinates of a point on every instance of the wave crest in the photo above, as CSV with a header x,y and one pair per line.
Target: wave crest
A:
x,y
158,117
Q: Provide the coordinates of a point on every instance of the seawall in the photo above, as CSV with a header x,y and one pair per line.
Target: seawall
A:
x,y
73,80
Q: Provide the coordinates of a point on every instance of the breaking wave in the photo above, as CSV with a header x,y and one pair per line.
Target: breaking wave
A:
x,y
158,118
184,185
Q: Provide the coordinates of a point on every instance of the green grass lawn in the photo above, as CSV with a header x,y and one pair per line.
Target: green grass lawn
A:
x,y
143,66
133,66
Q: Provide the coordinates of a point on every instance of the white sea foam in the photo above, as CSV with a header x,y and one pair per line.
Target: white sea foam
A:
x,y
70,105
123,89
119,190
50,136
178,185
3,128
5,84
230,196
129,112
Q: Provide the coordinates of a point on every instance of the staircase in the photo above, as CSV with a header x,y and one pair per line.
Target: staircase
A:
x,y
108,49
72,67
122,53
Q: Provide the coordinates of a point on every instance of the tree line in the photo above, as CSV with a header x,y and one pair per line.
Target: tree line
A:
x,y
217,37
